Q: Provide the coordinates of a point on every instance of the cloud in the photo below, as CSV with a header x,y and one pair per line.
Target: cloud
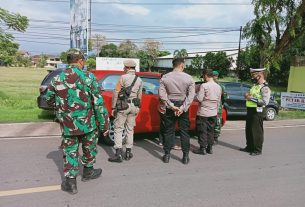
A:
x,y
214,13
133,10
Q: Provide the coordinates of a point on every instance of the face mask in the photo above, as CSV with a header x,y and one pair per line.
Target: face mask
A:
x,y
254,80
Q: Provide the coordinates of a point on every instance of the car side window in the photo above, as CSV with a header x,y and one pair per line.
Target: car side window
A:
x,y
109,82
233,88
150,85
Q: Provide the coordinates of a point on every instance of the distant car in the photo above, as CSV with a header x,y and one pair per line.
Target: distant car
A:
x,y
235,103
148,119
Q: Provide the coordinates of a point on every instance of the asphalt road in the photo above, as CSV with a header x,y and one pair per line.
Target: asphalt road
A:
x,y
31,171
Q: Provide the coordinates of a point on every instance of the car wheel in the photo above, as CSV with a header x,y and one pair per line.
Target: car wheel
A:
x,y
109,140
270,114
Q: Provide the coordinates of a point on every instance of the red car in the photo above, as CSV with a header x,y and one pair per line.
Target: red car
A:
x,y
148,119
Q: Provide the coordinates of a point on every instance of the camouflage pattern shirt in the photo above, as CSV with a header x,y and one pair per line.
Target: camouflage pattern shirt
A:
x,y
78,104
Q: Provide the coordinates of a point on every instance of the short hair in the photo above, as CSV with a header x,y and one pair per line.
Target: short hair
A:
x,y
178,61
74,54
207,72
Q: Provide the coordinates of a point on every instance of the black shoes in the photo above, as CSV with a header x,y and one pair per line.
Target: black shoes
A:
x,y
246,149
128,154
199,151
117,157
255,153
166,158
185,159
69,185
209,149
90,173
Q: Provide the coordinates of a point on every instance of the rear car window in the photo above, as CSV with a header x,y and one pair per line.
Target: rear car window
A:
x,y
150,85
50,76
109,82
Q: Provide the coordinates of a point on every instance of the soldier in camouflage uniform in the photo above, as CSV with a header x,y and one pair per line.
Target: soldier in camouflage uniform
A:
x,y
218,123
79,107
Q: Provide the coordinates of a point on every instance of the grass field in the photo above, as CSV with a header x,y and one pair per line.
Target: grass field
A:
x,y
19,88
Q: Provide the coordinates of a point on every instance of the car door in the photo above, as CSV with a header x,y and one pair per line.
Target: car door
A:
x,y
235,100
148,119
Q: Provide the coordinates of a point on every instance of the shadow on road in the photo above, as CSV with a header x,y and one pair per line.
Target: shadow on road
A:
x,y
225,144
57,157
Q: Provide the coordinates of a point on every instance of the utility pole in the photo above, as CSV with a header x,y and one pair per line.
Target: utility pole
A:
x,y
238,60
90,2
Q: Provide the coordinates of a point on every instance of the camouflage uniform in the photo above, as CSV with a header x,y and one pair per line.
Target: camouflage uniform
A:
x,y
218,123
81,113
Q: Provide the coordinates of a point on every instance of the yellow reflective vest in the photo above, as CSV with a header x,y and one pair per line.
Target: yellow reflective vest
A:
x,y
255,92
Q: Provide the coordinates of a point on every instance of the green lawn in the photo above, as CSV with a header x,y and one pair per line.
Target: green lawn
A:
x,y
19,88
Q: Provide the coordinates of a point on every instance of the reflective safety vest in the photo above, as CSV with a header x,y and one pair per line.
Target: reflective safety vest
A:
x,y
255,92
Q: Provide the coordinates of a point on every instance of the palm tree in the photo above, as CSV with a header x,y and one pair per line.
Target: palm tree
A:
x,y
180,53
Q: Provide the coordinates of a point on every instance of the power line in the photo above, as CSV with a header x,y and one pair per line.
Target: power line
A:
x,y
157,3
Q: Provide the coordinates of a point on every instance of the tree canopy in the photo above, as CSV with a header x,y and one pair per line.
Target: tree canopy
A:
x,y
277,24
8,47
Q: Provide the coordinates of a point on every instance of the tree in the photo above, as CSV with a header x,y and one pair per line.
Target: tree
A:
x,y
196,66
163,53
151,47
7,46
248,58
91,63
109,50
276,25
42,61
180,53
217,61
144,60
127,49
63,57
97,42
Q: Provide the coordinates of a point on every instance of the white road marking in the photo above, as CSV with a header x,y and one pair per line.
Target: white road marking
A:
x,y
29,190
269,127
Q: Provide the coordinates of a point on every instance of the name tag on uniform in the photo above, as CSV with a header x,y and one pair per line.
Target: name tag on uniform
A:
x,y
259,109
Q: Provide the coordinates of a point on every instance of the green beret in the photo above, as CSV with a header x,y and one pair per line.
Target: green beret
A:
x,y
215,73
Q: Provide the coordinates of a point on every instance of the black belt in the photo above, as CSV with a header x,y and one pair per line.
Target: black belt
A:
x,y
177,103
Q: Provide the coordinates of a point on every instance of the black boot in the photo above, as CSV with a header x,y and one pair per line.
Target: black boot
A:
x,y
199,151
69,185
90,173
215,140
118,157
128,154
209,149
185,158
166,158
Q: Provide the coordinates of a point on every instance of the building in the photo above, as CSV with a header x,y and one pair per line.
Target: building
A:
x,y
165,62
52,62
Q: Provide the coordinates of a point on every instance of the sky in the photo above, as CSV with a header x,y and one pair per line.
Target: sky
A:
x,y
197,26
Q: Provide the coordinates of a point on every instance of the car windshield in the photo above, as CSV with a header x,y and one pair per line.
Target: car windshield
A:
x,y
150,85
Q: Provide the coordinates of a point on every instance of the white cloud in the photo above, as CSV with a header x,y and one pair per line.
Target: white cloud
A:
x,y
210,13
133,10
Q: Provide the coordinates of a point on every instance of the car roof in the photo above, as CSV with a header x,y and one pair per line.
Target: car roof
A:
x,y
102,73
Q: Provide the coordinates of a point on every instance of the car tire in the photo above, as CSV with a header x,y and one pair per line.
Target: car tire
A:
x,y
109,139
270,114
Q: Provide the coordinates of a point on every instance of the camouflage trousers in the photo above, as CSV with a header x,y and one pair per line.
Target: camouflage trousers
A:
x,y
70,146
217,128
